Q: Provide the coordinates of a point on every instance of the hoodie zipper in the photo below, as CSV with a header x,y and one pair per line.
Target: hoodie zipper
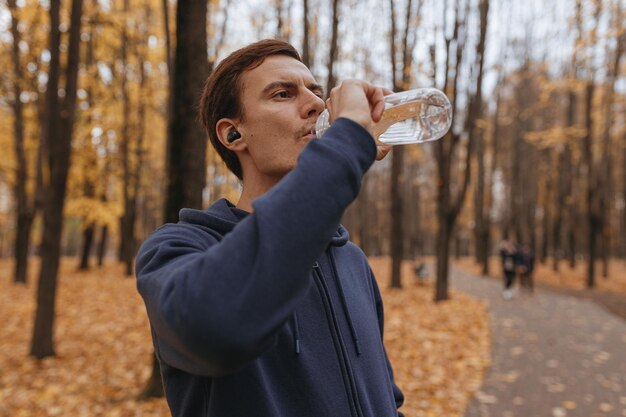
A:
x,y
340,347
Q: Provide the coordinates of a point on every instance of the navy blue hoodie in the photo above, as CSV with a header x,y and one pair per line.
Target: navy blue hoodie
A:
x,y
274,313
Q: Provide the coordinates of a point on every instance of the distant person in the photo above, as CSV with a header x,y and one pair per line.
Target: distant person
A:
x,y
264,307
508,255
420,272
526,263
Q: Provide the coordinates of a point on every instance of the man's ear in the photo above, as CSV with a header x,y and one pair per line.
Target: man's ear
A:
x,y
229,135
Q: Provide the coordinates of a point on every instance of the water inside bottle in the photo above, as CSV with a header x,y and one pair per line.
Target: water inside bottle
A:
x,y
413,116
420,119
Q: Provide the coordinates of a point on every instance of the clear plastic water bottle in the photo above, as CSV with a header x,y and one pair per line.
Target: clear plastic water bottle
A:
x,y
413,116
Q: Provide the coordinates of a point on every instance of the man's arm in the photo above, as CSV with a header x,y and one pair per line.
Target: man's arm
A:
x,y
214,306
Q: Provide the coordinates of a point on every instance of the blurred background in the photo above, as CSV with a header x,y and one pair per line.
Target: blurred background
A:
x,y
537,150
100,143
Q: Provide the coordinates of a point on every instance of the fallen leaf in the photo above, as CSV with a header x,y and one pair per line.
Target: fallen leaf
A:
x,y
570,405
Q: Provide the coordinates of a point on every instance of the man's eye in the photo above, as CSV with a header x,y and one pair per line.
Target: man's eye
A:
x,y
282,94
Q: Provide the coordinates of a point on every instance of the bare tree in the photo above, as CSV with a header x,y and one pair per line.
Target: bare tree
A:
x,y
89,187
306,57
186,139
595,202
282,25
397,236
59,126
127,221
25,209
334,47
606,173
397,162
447,208
594,205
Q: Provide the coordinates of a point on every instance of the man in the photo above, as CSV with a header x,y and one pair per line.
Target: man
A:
x,y
525,267
508,255
266,308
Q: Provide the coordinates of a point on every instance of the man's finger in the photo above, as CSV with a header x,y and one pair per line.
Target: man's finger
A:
x,y
376,97
377,111
330,110
382,151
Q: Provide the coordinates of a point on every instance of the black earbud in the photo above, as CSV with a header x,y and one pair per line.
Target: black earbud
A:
x,y
233,136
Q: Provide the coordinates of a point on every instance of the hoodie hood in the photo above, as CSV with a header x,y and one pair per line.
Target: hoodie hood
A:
x,y
223,216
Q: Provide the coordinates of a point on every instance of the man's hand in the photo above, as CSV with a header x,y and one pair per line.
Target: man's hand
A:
x,y
358,101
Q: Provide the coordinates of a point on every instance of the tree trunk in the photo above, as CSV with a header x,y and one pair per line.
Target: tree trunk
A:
x,y
607,157
486,238
397,235
59,127
306,59
486,242
444,234
127,221
591,265
89,186
606,250
281,31
87,244
135,174
397,229
547,216
592,215
22,245
447,209
561,192
479,199
154,385
102,245
623,234
332,56
24,209
572,241
568,176
186,139
413,211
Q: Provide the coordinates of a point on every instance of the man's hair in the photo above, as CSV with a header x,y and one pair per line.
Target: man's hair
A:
x,y
221,96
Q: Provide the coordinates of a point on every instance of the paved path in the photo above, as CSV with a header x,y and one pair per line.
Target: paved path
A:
x,y
552,355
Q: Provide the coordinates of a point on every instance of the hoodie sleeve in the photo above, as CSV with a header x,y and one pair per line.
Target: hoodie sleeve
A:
x,y
398,396
214,305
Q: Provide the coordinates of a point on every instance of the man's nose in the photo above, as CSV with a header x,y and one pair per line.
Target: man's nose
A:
x,y
313,105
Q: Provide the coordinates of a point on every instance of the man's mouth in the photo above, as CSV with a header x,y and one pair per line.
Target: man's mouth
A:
x,y
309,133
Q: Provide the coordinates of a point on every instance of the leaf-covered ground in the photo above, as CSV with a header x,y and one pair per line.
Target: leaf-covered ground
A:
x,y
439,351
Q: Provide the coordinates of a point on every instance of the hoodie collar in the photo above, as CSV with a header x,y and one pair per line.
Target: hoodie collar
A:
x,y
222,216
341,237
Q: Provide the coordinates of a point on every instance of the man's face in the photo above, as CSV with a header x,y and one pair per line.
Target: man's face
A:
x,y
281,102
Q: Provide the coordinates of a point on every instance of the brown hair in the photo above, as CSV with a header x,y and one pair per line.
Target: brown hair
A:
x,y
222,90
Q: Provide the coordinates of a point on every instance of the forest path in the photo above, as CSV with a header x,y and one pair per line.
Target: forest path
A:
x,y
553,354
